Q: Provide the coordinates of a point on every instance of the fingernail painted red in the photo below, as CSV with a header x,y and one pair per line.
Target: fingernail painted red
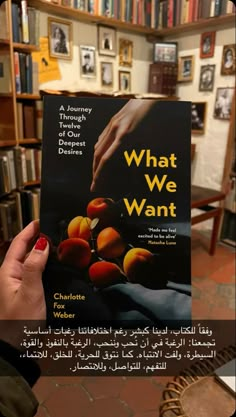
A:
x,y
41,244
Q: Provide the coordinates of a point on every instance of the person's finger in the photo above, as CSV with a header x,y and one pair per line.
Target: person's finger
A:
x,y
34,266
22,243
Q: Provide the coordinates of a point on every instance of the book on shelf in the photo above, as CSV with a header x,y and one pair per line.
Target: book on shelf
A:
x,y
5,175
17,72
132,231
4,28
24,21
11,167
29,121
5,73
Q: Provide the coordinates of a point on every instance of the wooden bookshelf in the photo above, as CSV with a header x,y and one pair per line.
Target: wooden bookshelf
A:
x,y
29,141
25,96
31,183
211,22
24,47
6,143
71,13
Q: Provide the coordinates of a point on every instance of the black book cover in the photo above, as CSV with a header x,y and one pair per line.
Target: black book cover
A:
x,y
115,204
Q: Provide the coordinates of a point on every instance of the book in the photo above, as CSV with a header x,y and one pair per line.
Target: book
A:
x,y
29,121
4,28
25,22
133,228
17,72
5,74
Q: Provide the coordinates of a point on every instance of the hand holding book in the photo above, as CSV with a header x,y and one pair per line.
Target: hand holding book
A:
x,y
22,294
122,123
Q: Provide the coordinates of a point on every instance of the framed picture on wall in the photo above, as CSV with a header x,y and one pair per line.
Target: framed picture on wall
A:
x,y
107,74
207,46
207,74
125,81
165,52
60,38
228,60
87,61
186,68
199,110
223,103
106,41
125,52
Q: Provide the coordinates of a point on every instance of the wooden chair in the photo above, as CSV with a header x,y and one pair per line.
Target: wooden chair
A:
x,y
196,393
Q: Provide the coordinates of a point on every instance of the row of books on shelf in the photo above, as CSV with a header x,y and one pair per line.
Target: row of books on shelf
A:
x,y
19,166
177,12
25,23
17,210
156,14
26,73
30,119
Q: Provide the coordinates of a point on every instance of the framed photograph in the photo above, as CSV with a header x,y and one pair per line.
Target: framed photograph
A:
x,y
87,61
199,117
125,52
223,103
165,52
207,45
60,38
186,68
107,74
125,81
106,41
228,60
207,74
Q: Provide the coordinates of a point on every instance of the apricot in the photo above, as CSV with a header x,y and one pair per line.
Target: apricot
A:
x,y
79,227
103,273
103,209
138,264
110,243
74,252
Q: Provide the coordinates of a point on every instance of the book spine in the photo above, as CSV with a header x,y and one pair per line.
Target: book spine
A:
x,y
15,23
18,210
4,221
17,72
22,62
29,121
39,119
170,13
18,167
10,155
29,79
24,22
24,167
6,172
4,27
212,10
217,7
5,175
147,12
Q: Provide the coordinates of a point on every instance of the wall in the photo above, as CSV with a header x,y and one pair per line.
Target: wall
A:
x,y
86,34
210,147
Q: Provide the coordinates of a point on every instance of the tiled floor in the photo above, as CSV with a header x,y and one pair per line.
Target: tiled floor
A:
x,y
213,280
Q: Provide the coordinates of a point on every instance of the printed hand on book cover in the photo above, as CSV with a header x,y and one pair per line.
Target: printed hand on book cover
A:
x,y
122,123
